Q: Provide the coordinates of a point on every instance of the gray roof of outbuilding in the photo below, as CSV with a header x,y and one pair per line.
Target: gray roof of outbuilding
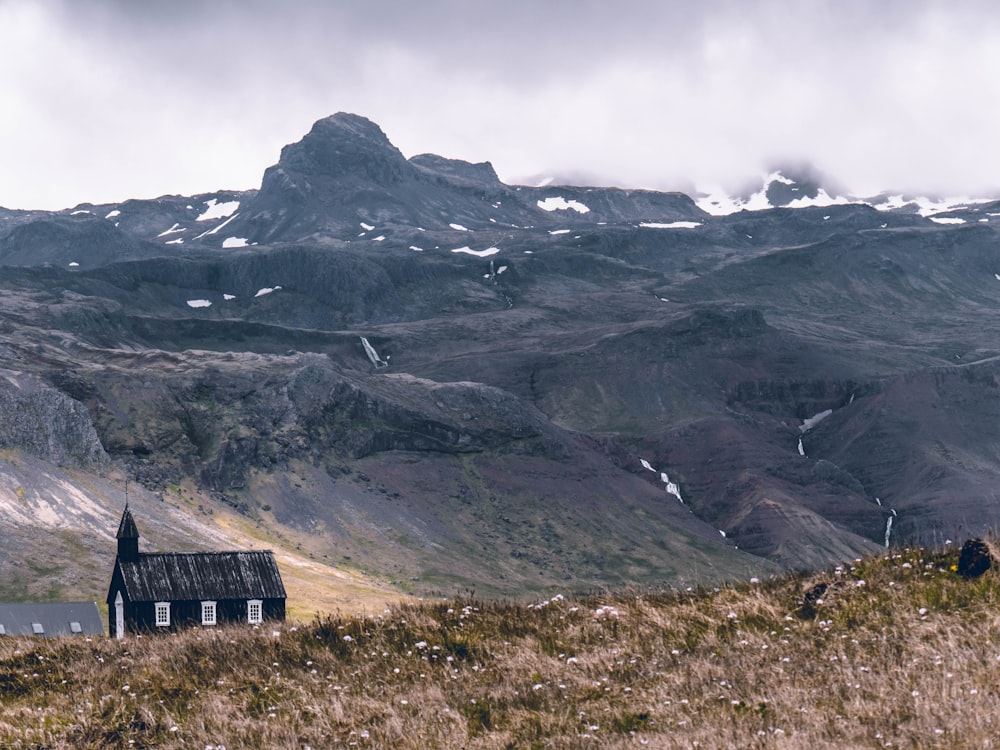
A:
x,y
55,618
202,575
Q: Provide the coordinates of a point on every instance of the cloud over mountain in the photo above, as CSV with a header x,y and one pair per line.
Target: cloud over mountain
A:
x,y
108,100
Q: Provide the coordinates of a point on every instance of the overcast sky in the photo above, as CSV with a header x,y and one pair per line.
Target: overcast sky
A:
x,y
102,100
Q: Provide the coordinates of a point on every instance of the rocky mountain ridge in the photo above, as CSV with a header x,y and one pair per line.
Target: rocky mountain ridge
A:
x,y
570,386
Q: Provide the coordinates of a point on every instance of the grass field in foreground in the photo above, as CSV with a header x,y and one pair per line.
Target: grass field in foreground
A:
x,y
899,651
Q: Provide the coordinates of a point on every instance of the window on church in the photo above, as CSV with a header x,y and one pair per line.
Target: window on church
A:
x,y
255,611
163,614
208,613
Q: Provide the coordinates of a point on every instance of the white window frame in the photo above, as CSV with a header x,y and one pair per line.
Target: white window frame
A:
x,y
162,614
255,617
209,613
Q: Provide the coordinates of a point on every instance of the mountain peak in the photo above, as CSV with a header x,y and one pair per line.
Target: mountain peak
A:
x,y
352,124
345,145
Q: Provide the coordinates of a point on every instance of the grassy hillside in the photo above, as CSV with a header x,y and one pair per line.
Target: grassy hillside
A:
x,y
897,651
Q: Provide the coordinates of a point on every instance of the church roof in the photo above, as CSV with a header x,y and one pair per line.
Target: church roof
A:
x,y
202,576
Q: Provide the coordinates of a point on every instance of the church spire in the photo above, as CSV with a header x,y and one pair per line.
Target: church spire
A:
x,y
128,537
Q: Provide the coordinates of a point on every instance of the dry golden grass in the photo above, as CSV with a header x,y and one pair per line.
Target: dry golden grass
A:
x,y
899,651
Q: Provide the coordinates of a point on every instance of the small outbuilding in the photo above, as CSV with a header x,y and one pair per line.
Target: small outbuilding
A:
x,y
50,619
166,591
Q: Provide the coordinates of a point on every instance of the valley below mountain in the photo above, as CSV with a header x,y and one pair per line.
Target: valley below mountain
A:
x,y
408,376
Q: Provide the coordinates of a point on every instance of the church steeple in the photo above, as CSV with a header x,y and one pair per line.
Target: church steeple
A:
x,y
128,538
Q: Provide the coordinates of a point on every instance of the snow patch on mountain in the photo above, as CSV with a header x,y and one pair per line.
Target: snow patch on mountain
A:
x,y
808,424
478,253
930,206
216,229
234,242
926,206
558,203
891,202
373,357
822,198
198,303
669,225
718,202
175,229
671,488
216,210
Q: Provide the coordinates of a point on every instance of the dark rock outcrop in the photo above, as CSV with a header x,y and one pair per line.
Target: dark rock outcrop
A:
x,y
47,424
60,240
346,148
974,559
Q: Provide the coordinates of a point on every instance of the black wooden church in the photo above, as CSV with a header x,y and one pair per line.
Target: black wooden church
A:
x,y
167,591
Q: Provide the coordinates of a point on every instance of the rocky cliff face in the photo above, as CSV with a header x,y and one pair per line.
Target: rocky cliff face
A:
x,y
224,416
47,424
346,148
